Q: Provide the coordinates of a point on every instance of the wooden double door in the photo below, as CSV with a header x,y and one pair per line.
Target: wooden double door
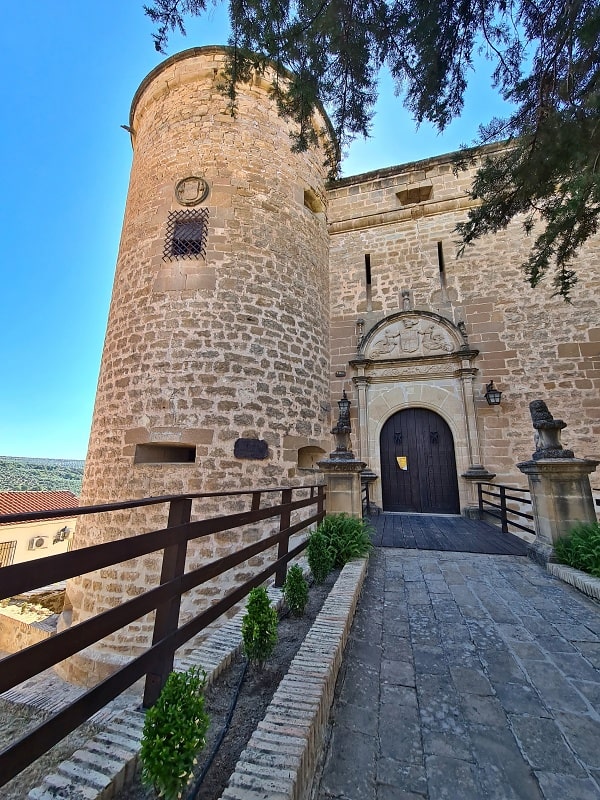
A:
x,y
418,465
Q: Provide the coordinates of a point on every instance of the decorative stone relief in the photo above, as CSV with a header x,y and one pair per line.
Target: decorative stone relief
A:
x,y
408,337
414,373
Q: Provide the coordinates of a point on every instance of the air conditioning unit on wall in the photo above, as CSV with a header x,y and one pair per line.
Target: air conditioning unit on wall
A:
x,y
38,542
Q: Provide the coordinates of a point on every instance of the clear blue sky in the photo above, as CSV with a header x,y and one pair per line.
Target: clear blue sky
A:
x,y
69,72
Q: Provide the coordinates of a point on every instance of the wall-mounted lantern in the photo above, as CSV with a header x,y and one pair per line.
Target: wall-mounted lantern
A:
x,y
492,395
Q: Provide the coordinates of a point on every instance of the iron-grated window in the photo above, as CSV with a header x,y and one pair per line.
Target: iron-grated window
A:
x,y
7,553
186,234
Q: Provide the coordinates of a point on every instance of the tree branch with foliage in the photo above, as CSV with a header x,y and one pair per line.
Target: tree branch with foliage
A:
x,y
546,57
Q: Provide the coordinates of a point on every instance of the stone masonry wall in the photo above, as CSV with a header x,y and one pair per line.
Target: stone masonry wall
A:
x,y
531,343
202,352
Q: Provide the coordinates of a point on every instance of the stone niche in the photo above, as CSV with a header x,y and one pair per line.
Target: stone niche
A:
x,y
419,359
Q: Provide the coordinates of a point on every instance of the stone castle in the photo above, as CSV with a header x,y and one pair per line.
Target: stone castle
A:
x,y
249,293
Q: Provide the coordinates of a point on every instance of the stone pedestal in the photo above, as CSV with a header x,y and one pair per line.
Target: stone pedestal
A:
x,y
561,497
344,493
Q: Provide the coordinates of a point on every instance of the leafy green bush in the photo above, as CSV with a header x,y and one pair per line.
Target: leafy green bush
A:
x,y
259,627
347,537
174,732
581,548
320,556
295,590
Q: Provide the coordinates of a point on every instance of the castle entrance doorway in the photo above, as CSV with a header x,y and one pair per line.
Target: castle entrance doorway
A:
x,y
418,465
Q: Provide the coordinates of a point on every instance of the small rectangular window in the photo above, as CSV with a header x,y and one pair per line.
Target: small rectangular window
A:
x,y
165,454
186,234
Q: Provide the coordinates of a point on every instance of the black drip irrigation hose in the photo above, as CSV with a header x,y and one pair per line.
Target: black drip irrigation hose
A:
x,y
193,795
195,789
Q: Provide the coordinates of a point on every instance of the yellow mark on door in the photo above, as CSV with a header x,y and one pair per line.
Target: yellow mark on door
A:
x,y
402,462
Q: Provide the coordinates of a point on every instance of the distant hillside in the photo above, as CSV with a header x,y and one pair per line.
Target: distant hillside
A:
x,y
40,474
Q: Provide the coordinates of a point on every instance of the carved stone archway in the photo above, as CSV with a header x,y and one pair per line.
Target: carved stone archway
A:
x,y
419,359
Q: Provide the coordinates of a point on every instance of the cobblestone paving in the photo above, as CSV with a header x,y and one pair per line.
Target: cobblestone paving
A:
x,y
466,677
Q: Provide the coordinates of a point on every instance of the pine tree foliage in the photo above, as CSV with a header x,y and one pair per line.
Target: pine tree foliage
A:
x,y
546,58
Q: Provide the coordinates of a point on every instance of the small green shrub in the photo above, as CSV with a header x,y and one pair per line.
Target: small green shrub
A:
x,y
320,556
581,548
347,537
174,733
259,627
295,591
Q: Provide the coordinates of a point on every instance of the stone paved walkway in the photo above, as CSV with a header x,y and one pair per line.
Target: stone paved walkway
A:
x,y
466,677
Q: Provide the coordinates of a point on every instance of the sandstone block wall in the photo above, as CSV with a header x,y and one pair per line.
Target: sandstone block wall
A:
x,y
531,343
202,352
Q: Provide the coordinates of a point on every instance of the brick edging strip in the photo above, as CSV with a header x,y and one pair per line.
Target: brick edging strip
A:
x,y
281,757
108,762
580,580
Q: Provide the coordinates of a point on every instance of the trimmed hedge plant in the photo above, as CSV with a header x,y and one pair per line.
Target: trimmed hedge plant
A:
x,y
259,627
295,590
174,733
319,555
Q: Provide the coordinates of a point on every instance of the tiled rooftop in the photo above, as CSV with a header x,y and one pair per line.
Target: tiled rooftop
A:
x,y
25,502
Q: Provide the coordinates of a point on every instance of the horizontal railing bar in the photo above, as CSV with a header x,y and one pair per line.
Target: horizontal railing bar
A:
x,y
503,486
509,521
522,514
22,665
18,578
508,510
34,744
32,516
524,500
489,503
521,527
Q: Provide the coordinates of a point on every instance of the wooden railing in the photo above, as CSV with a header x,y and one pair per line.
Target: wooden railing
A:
x,y
366,500
157,661
499,506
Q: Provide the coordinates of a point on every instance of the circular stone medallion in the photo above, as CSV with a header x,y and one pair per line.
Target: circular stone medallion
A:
x,y
191,191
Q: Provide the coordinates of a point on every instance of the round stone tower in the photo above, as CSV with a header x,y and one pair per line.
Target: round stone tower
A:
x,y
218,325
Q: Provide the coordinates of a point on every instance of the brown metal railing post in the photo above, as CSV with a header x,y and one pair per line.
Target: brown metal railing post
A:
x,y
255,501
321,499
284,524
480,498
167,615
503,517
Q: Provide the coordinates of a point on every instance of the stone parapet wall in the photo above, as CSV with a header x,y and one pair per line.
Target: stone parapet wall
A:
x,y
16,635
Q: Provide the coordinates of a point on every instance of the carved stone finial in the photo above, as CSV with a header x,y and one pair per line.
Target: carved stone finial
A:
x,y
406,304
342,430
462,327
547,436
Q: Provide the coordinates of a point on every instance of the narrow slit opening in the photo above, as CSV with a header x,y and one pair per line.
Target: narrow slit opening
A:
x,y
441,266
368,280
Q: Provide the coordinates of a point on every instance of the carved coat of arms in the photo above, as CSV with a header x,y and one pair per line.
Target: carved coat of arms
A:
x,y
411,337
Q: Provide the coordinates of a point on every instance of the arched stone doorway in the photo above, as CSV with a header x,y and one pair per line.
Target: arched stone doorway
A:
x,y
418,464
417,359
